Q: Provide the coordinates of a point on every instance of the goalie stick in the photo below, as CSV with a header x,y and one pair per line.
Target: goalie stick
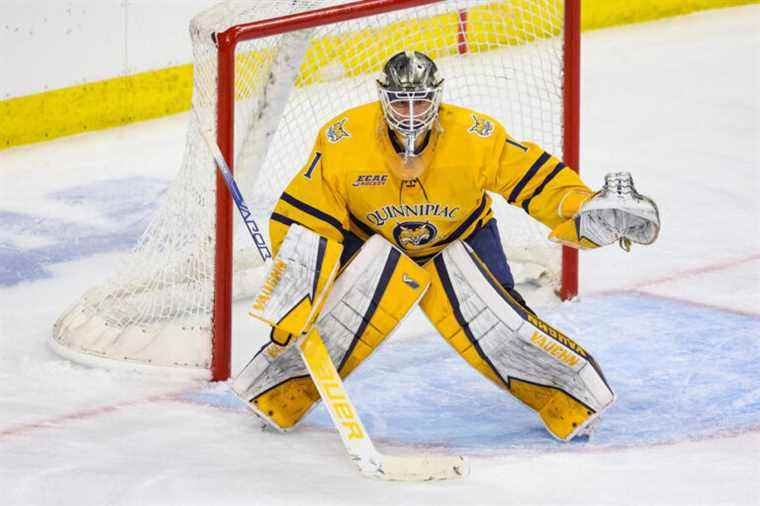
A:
x,y
229,180
346,419
371,462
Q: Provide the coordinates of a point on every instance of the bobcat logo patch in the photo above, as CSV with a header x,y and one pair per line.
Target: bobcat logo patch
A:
x,y
481,127
413,234
337,131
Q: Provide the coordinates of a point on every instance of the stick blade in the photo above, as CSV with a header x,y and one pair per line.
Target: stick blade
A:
x,y
421,468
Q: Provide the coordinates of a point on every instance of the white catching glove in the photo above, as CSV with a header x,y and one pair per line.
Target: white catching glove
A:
x,y
618,212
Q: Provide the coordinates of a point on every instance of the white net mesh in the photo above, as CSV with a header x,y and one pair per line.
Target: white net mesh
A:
x,y
501,58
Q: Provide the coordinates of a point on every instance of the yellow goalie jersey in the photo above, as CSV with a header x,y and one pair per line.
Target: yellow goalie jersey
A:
x,y
348,186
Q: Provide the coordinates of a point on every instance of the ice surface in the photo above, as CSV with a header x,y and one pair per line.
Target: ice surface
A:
x,y
676,326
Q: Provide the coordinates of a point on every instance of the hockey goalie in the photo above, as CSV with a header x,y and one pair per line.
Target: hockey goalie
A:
x,y
391,210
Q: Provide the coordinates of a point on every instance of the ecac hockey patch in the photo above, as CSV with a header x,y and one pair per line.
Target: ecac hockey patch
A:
x,y
370,180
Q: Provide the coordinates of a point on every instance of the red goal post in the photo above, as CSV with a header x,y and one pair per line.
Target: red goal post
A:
x,y
228,40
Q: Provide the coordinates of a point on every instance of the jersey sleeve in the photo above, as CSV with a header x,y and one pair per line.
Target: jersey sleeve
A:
x,y
311,201
541,184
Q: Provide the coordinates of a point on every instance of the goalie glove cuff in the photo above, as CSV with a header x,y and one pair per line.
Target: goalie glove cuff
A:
x,y
571,203
576,234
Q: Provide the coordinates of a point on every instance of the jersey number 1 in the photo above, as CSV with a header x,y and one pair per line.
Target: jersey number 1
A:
x,y
313,165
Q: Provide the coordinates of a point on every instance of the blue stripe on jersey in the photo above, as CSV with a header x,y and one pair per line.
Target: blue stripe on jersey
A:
x,y
361,225
465,224
552,174
312,211
528,176
517,144
281,218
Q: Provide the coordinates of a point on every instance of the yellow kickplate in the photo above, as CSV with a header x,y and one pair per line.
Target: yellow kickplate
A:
x,y
287,403
560,413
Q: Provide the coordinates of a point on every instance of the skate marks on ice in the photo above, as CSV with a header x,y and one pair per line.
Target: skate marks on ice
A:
x,y
682,372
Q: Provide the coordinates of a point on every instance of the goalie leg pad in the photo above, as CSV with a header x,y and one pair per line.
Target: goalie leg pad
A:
x,y
511,346
298,280
368,301
276,386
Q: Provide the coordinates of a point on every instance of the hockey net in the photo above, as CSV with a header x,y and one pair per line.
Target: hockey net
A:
x,y
264,99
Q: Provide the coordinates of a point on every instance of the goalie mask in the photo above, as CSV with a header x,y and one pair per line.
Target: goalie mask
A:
x,y
410,95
